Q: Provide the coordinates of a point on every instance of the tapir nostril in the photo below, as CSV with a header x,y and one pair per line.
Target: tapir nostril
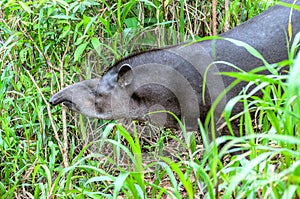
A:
x,y
51,101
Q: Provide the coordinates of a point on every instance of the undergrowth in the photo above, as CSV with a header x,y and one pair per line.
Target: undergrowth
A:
x,y
47,152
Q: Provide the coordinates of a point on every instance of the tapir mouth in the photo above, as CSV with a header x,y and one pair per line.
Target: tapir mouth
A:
x,y
57,99
71,105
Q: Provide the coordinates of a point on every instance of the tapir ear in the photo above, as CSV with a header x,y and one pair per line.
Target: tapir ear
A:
x,y
125,75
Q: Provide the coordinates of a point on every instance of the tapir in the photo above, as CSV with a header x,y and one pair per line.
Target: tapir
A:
x,y
184,79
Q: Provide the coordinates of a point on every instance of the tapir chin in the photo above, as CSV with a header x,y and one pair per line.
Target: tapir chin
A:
x,y
174,78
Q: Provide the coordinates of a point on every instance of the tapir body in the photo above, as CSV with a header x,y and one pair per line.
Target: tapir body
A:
x,y
172,78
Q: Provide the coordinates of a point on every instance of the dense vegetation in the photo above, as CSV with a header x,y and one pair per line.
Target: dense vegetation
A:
x,y
48,152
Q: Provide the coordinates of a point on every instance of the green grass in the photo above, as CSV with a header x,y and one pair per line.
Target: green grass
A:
x,y
47,152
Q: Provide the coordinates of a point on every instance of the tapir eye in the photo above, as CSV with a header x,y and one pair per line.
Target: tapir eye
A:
x,y
96,94
125,75
93,91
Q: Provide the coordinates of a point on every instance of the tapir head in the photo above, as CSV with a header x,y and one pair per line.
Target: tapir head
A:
x,y
105,98
79,97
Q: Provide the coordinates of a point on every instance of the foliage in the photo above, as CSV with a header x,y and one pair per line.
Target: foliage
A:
x,y
45,45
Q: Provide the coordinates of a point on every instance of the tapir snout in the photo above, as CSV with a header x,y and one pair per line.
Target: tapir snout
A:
x,y
79,97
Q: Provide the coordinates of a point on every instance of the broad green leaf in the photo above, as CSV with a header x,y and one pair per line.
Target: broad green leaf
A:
x,y
79,50
96,44
119,183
